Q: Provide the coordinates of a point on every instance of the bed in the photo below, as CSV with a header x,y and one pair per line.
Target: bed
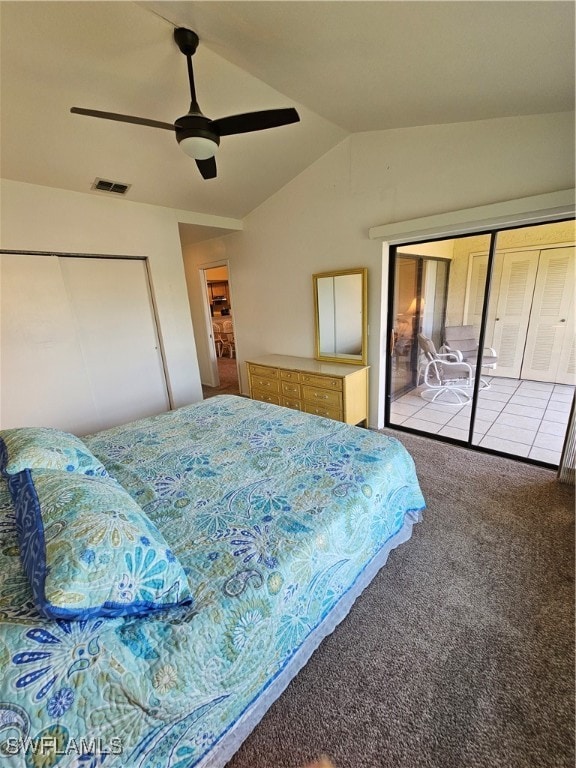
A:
x,y
278,519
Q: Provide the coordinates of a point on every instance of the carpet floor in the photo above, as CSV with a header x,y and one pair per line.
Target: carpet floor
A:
x,y
228,375
460,654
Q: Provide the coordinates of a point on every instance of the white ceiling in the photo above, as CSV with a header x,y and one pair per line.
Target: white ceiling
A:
x,y
346,66
369,66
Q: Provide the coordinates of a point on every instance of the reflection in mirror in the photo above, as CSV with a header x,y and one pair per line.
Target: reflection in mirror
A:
x,y
340,304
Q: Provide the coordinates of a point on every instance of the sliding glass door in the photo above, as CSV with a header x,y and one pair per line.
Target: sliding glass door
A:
x,y
481,339
530,321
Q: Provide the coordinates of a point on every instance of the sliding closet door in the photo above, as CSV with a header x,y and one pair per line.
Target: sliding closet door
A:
x,y
111,301
79,345
43,378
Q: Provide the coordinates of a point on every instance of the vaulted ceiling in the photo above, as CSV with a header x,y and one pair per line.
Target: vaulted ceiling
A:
x,y
346,66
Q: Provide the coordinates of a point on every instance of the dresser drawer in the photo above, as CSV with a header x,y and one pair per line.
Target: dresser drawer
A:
x,y
291,402
263,370
335,391
290,389
322,410
290,375
323,397
265,397
327,382
267,385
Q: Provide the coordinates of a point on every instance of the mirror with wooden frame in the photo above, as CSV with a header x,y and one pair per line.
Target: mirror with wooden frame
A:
x,y
340,309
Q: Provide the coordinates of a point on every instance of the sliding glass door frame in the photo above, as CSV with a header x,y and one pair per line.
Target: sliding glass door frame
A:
x,y
390,314
493,233
482,335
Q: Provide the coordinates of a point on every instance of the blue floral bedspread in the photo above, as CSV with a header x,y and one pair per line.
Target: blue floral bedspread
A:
x,y
273,514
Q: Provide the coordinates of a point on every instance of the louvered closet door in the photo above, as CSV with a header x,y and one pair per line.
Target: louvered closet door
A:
x,y
567,368
513,306
549,354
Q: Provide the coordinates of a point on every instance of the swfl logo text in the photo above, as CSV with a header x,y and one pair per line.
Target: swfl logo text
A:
x,y
49,745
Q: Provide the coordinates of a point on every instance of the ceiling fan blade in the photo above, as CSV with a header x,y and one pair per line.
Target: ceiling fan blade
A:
x,y
207,168
122,118
255,121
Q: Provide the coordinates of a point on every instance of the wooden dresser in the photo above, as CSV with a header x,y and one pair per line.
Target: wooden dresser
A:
x,y
336,390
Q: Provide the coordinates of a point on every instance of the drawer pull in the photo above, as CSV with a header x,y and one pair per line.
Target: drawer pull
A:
x,y
320,397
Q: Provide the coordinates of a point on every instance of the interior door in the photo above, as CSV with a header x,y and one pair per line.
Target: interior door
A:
x,y
549,353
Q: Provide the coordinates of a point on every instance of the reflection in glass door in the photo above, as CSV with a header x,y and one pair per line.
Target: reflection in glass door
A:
x,y
419,307
406,295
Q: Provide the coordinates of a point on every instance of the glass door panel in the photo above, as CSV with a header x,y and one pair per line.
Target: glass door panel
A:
x,y
518,342
438,302
530,328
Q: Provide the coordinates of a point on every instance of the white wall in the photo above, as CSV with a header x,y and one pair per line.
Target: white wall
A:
x,y
35,218
320,220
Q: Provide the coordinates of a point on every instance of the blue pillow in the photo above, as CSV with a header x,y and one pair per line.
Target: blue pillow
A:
x,y
45,448
89,550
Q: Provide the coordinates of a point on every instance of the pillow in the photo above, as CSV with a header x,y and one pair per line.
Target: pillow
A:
x,y
89,550
45,448
15,594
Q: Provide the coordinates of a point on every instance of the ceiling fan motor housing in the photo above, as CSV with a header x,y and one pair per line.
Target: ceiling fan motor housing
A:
x,y
195,125
196,137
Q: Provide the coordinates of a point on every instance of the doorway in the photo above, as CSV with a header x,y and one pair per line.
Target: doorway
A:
x,y
511,292
221,331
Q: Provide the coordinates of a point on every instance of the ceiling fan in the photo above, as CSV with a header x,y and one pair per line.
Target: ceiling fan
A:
x,y
196,134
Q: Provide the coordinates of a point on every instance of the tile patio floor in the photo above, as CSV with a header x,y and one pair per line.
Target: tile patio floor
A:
x,y
518,417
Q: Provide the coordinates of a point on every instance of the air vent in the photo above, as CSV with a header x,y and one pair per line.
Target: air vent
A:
x,y
102,185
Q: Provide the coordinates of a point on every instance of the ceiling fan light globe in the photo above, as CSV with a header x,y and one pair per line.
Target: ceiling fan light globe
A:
x,y
199,147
